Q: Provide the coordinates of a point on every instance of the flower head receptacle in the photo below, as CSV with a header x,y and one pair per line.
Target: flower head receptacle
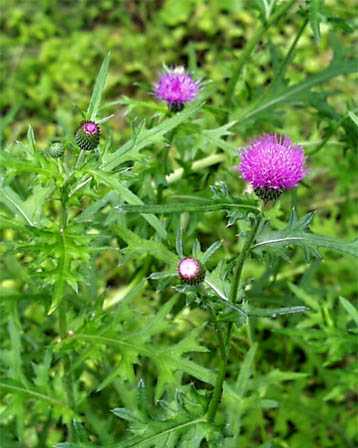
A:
x,y
88,135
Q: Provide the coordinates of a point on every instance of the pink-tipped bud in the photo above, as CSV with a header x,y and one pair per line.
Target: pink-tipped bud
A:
x,y
88,135
190,271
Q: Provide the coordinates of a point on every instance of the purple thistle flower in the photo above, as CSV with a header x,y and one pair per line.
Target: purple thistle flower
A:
x,y
190,270
176,87
272,164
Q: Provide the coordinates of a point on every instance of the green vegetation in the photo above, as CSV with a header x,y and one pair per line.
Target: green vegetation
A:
x,y
101,345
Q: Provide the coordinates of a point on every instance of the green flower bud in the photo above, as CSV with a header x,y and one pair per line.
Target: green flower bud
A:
x,y
56,150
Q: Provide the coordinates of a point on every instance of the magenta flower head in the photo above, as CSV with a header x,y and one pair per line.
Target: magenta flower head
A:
x,y
176,87
272,164
190,271
87,135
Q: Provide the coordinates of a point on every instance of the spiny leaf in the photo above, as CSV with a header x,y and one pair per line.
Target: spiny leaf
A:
x,y
157,433
13,201
180,207
146,137
99,86
60,283
155,248
14,387
123,193
245,371
298,234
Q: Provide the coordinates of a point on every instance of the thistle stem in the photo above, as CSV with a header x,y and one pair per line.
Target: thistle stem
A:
x,y
62,317
225,344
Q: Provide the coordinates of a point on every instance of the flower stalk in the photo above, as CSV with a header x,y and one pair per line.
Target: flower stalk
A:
x,y
62,313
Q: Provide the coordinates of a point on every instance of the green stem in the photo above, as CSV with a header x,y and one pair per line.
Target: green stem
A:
x,y
163,183
225,344
289,55
328,136
62,319
250,46
241,260
66,360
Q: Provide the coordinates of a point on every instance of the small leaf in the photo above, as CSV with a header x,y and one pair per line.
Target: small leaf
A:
x,y
245,371
13,201
353,117
351,310
314,14
31,138
210,251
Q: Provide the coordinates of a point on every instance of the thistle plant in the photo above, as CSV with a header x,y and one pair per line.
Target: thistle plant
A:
x,y
151,295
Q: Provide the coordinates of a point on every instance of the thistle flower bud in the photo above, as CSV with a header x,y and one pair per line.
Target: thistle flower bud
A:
x,y
190,271
56,150
87,135
272,164
176,87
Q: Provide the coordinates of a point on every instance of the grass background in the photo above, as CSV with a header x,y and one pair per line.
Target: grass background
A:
x,y
51,52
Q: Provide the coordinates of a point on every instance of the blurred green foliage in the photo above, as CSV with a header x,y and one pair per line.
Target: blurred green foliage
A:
x,y
291,380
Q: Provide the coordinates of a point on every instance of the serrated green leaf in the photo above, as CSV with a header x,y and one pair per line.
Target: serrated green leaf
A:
x,y
128,196
245,371
14,387
63,266
123,193
157,434
146,137
13,201
180,207
139,245
297,234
